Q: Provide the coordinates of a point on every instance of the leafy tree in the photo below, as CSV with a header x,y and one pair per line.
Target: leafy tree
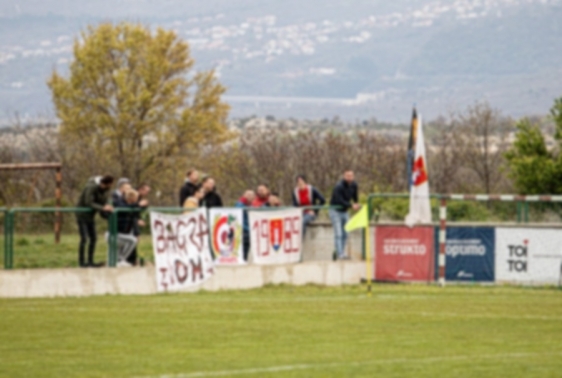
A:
x,y
535,169
132,101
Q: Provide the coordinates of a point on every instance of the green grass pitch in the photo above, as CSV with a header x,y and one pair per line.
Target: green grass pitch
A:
x,y
400,331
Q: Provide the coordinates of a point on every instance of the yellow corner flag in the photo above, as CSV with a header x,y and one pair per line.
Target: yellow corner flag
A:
x,y
359,220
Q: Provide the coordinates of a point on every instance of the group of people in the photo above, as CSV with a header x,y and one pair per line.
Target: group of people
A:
x,y
202,193
95,197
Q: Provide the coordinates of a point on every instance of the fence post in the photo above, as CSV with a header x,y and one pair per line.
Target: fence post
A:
x,y
9,239
58,195
526,212
6,232
518,211
442,239
112,258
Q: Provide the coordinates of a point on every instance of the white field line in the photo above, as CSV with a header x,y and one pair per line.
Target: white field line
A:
x,y
393,361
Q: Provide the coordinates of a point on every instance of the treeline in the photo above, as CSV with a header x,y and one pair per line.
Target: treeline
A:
x,y
475,151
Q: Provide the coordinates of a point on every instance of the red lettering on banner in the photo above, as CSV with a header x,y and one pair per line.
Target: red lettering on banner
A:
x,y
160,237
163,279
181,271
181,241
197,269
292,234
404,254
261,228
203,233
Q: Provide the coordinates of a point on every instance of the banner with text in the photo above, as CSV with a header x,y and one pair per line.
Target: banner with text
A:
x,y
182,255
276,236
404,254
528,255
226,235
469,253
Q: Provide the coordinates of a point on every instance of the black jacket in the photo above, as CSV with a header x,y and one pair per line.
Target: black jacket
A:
x,y
212,199
127,221
187,190
93,197
343,194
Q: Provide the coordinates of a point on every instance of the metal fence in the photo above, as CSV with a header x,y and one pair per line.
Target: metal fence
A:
x,y
29,240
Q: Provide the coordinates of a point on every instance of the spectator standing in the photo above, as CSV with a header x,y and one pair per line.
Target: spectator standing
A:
x,y
345,192
143,192
195,200
273,200
126,226
245,202
307,195
212,198
123,184
95,196
189,186
262,196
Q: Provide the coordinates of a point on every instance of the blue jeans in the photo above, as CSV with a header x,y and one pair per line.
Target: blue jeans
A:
x,y
306,219
339,219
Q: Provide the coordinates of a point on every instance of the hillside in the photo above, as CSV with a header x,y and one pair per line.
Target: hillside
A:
x,y
318,58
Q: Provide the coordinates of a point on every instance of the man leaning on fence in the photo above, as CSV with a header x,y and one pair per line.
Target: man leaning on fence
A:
x,y
345,192
95,197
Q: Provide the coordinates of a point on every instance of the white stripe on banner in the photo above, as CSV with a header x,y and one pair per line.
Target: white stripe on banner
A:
x,y
390,361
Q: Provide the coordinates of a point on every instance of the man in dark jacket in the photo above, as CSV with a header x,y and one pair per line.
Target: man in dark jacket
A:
x,y
190,186
95,197
345,192
307,195
212,198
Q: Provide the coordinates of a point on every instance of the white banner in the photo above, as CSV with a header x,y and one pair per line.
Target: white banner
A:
x,y
276,236
226,235
181,249
528,255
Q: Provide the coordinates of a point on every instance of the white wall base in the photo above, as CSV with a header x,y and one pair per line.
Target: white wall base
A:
x,y
32,283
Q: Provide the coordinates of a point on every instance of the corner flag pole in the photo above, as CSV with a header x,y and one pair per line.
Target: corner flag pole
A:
x,y
368,259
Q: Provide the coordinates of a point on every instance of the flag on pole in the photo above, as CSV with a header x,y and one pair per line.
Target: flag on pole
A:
x,y
420,209
359,220
412,147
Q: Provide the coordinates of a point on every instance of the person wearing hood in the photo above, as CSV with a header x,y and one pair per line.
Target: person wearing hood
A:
x,y
190,186
94,197
212,198
244,202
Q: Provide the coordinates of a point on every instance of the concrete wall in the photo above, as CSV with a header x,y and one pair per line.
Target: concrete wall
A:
x,y
319,243
83,282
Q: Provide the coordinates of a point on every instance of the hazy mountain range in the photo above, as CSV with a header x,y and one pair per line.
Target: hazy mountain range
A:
x,y
316,58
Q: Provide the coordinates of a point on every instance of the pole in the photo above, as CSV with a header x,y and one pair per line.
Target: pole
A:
x,y
58,196
368,259
442,239
112,258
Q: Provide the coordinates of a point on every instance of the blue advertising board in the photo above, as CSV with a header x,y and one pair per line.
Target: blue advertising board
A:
x,y
469,253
